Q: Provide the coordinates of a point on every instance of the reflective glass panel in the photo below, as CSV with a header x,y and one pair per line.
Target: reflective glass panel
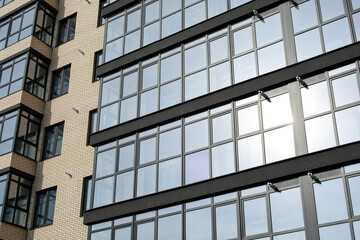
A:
x,y
170,143
145,231
146,180
223,159
130,84
277,111
170,6
105,163
103,235
123,234
250,152
150,76
354,184
133,20
220,76
148,150
226,222
248,119
335,232
149,102
124,186
320,133
219,49
198,225
215,7
308,44
170,94
255,216
196,135
195,85
315,99
171,24
346,90
269,30
151,33
132,42
304,16
336,34
170,68
128,109
279,144
244,67
292,236
271,58
110,91
195,58
243,40
115,29
194,14
197,167
126,157
357,229
104,192
170,174
170,228
327,195
222,129
152,12
348,124
331,8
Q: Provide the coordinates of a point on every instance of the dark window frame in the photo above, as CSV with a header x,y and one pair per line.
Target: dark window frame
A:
x,y
87,182
43,30
55,128
61,71
101,20
46,192
92,124
98,60
67,21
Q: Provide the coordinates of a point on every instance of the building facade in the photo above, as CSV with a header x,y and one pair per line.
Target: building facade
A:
x,y
180,119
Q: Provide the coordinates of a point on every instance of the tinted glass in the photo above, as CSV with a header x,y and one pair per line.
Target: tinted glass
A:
x,y
198,225
315,99
320,133
348,124
170,228
197,167
255,216
250,152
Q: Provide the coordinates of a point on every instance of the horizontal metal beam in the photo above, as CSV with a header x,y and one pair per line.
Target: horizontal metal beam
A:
x,y
278,171
242,90
186,35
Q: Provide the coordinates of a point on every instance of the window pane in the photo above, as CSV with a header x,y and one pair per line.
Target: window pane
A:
x,y
346,90
195,58
150,76
122,234
133,20
170,94
195,85
255,216
354,184
341,231
170,143
170,68
243,40
279,144
216,7
292,236
220,76
248,119
197,167
331,8
223,159
105,163
357,229
130,84
145,231
269,30
226,222
170,228
170,174
149,102
250,152
348,125
356,20
132,41
336,34
194,14
277,111
8,128
103,235
327,195
114,49
308,45
115,29
320,133
124,186
146,180
219,49
104,192
152,12
170,6
196,135
171,24
198,225
126,157
128,109
315,99
148,150
109,116
271,58
286,210
304,16
244,67
110,91
151,33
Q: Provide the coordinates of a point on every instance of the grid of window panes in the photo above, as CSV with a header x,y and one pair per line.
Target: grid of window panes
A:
x,y
244,134
17,27
17,199
3,190
150,21
276,211
4,2
28,135
7,131
20,25
27,66
229,56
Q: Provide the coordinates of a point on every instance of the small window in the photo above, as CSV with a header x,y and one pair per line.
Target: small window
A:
x,y
98,60
45,206
67,29
53,140
101,20
87,184
60,82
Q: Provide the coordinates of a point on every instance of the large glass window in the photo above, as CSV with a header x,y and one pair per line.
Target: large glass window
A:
x,y
45,207
44,25
53,140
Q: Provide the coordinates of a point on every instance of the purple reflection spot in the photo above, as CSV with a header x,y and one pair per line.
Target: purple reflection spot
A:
x,y
197,167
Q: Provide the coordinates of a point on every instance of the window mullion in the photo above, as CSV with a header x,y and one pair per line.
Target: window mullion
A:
x,y
289,41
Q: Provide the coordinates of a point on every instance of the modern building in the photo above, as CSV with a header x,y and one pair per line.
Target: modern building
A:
x,y
180,119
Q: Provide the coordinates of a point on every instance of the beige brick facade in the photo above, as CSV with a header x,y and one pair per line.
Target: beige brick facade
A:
x,y
76,157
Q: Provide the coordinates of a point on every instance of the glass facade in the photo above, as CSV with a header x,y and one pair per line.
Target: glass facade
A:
x,y
150,21
19,132
21,25
256,213
14,199
229,56
233,137
27,72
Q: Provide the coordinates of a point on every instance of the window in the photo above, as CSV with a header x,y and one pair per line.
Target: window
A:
x,y
101,20
98,60
44,28
36,76
7,131
45,206
87,184
67,29
60,83
53,140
